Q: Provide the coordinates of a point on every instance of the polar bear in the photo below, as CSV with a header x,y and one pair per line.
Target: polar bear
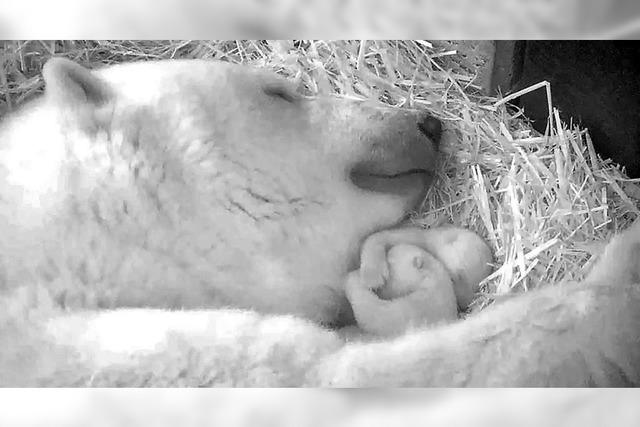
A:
x,y
411,277
200,184
418,291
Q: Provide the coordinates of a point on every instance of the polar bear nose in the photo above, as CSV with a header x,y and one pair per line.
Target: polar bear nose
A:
x,y
431,127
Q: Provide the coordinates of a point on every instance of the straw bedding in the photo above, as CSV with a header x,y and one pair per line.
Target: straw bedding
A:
x,y
545,203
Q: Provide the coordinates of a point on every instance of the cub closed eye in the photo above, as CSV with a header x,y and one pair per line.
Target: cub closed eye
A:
x,y
418,262
282,90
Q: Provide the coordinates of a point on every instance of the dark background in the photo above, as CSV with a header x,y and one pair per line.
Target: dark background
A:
x,y
595,83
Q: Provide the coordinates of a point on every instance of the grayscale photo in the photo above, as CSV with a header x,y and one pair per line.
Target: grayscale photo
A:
x,y
309,213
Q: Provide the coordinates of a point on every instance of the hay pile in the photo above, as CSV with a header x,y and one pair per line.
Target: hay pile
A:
x,y
545,203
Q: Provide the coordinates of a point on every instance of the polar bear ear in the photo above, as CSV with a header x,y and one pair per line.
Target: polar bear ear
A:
x,y
73,85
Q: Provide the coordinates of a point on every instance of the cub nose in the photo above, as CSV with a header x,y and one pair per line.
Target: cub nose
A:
x,y
430,127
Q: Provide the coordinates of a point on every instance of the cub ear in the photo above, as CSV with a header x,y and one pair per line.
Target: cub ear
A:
x,y
69,83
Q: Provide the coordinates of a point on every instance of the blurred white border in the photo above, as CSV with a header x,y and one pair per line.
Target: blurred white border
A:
x,y
319,408
329,19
